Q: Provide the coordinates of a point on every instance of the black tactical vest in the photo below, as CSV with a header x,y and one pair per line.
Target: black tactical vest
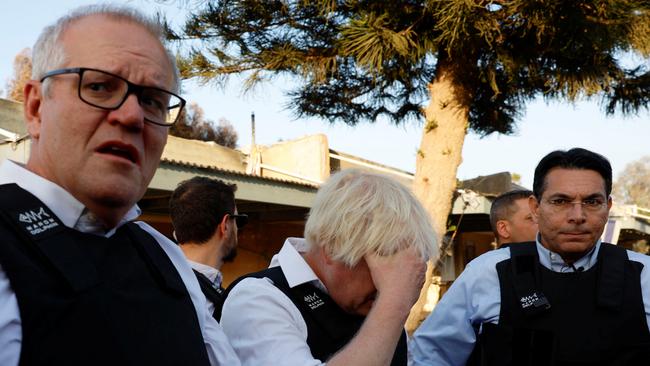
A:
x,y
214,295
89,300
585,318
329,328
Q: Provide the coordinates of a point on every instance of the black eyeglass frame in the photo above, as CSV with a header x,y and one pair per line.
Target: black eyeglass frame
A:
x,y
131,89
240,219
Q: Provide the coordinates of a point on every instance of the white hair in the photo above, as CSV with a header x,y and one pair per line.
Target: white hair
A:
x,y
357,213
48,54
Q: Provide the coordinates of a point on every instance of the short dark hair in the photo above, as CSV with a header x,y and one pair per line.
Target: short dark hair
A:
x,y
576,158
503,207
198,205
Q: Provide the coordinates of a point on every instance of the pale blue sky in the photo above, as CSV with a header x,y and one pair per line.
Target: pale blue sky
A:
x,y
542,129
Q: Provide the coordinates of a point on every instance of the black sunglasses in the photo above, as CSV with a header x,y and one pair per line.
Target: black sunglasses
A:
x,y
240,220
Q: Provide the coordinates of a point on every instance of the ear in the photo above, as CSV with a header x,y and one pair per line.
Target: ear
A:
x,y
223,225
33,96
503,228
609,203
534,207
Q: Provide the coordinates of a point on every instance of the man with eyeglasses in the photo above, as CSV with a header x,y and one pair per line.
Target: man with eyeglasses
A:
x,y
80,282
566,299
206,222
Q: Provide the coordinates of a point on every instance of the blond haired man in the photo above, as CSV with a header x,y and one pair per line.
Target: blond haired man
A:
x,y
342,294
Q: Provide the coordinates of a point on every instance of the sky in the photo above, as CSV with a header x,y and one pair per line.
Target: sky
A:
x,y
543,127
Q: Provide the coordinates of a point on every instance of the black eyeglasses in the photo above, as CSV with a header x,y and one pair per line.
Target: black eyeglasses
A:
x,y
108,91
240,219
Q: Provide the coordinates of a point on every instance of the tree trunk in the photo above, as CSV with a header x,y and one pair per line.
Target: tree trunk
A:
x,y
437,162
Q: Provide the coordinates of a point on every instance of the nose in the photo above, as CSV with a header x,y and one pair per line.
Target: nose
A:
x,y
577,213
130,114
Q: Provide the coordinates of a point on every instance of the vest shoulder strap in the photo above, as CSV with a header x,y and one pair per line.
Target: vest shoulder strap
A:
x,y
214,295
159,263
37,226
524,265
611,276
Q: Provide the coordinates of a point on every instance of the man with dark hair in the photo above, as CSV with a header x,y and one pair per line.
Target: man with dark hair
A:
x,y
205,220
566,299
511,219
81,283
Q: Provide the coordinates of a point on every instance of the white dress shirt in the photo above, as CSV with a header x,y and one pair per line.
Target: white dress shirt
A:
x,y
447,336
72,214
211,273
263,325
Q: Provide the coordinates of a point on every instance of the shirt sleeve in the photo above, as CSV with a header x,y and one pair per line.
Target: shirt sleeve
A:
x,y
448,335
265,327
10,325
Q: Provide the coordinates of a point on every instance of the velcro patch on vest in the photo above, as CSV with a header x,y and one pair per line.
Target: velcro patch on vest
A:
x,y
37,222
313,301
534,301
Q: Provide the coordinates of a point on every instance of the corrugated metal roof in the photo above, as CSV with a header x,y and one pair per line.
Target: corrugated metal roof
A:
x,y
234,172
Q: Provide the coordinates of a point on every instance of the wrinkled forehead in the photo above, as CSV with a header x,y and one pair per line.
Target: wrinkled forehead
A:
x,y
118,45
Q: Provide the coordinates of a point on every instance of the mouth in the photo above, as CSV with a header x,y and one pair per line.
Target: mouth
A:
x,y
120,150
575,234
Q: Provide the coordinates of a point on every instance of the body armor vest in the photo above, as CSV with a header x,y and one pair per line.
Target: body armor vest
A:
x,y
584,318
90,300
329,328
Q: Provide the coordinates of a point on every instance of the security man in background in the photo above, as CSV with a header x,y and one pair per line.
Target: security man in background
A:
x,y
205,221
511,219
80,283
566,299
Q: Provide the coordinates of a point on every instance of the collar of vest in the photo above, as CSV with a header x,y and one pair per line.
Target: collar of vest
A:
x,y
39,227
525,267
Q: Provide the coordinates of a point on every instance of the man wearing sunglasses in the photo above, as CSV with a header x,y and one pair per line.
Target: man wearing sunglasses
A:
x,y
205,220
566,299
80,282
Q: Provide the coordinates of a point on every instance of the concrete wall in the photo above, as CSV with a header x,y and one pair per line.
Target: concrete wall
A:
x,y
305,157
11,116
16,151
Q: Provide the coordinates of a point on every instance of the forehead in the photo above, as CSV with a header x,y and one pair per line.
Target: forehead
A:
x,y
574,182
521,206
120,46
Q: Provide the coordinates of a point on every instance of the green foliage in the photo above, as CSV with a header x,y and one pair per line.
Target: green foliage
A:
x,y
361,59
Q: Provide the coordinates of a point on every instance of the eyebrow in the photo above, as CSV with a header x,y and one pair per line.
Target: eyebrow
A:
x,y
591,196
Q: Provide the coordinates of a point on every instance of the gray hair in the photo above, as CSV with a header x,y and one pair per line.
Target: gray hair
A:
x,y
358,212
48,54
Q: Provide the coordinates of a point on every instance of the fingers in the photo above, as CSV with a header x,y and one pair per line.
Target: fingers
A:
x,y
401,274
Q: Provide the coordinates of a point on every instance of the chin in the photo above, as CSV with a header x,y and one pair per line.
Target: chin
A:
x,y
115,197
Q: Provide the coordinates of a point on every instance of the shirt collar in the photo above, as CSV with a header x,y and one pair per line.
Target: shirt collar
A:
x,y
555,263
67,208
293,265
213,274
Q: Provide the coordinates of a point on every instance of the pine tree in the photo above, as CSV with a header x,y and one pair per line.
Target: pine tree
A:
x,y
476,62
